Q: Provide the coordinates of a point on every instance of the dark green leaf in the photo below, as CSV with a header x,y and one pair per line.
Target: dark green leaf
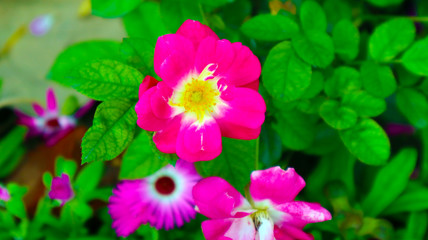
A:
x,y
414,106
10,143
106,79
215,3
337,116
235,163
390,182
138,53
364,104
416,226
296,129
312,17
89,177
145,22
175,12
311,106
326,140
384,3
416,58
315,47
270,146
390,38
346,39
316,85
336,10
113,8
343,81
112,130
142,158
367,141
378,80
270,27
285,76
405,77
413,198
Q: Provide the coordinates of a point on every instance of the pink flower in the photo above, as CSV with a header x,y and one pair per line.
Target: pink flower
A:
x,y
209,90
61,189
41,24
49,123
163,199
4,194
269,213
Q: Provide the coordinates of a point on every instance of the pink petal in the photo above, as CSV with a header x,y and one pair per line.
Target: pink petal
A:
x,y
215,198
231,228
148,82
291,233
39,110
61,189
252,85
24,119
244,116
199,143
51,101
147,120
246,66
301,213
174,57
195,32
214,51
276,185
84,109
188,169
159,101
166,138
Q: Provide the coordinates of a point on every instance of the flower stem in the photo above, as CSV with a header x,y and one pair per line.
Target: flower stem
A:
x,y
256,162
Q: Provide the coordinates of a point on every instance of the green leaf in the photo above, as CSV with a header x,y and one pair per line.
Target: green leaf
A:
x,y
175,12
15,205
113,8
390,38
416,226
413,198
270,146
378,80
79,53
285,76
385,3
312,17
138,53
216,3
88,178
346,40
338,117
145,22
416,58
295,129
112,130
343,81
235,163
47,179
70,105
414,106
405,77
311,106
142,158
268,27
336,10
315,48
106,79
10,145
315,87
390,182
68,167
367,141
364,104
326,140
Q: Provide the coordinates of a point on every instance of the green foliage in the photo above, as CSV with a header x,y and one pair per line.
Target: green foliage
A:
x,y
378,80
384,3
295,129
113,8
343,81
112,130
138,53
315,48
413,198
175,12
364,104
414,106
416,58
346,40
11,150
337,116
312,17
268,27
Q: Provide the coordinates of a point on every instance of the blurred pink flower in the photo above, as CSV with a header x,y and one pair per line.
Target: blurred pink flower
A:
x,y
41,24
4,194
209,90
163,199
61,189
49,123
270,212
394,129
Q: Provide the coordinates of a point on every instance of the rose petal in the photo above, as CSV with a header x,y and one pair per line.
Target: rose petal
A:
x,y
195,31
231,228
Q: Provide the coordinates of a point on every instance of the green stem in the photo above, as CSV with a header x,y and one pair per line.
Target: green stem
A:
x,y
256,162
384,17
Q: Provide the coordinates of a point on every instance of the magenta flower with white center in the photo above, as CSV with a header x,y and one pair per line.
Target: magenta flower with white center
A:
x,y
209,90
49,123
163,200
4,194
270,212
61,189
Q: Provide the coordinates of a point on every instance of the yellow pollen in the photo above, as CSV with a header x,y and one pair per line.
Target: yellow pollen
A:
x,y
258,216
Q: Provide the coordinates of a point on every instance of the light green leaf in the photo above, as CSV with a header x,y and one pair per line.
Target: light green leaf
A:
x,y
346,40
367,141
79,53
112,130
414,106
235,163
390,38
68,167
413,198
113,8
312,17
384,3
270,27
295,129
416,58
138,53
390,182
315,48
175,12
364,104
316,85
10,144
70,105
285,76
337,116
378,80
145,22
343,81
88,178
106,79
142,158
311,106
216,3
416,226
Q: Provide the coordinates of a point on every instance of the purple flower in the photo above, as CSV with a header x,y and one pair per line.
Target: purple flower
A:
x,y
4,194
41,25
61,189
163,200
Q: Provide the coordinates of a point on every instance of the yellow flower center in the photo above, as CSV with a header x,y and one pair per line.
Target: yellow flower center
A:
x,y
259,217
